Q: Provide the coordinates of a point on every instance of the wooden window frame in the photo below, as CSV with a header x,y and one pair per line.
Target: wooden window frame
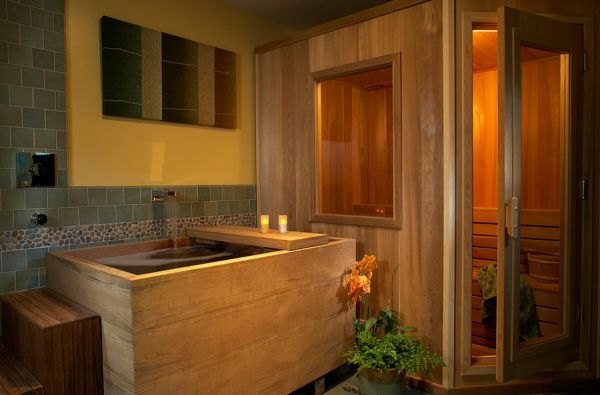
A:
x,y
315,208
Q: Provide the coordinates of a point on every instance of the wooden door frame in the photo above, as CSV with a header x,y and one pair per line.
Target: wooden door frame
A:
x,y
464,371
464,203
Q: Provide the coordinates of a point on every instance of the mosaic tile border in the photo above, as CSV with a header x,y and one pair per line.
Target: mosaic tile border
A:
x,y
23,257
96,233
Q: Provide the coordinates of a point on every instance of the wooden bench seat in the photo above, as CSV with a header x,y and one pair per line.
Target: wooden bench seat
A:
x,y
15,379
58,341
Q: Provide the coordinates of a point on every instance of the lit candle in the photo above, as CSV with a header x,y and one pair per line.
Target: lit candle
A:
x,y
282,223
264,223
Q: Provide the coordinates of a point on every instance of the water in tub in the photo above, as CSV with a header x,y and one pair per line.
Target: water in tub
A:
x,y
201,252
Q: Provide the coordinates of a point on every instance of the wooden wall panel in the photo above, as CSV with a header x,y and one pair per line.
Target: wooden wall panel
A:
x,y
334,48
356,141
541,154
340,117
284,108
485,139
415,249
379,130
416,34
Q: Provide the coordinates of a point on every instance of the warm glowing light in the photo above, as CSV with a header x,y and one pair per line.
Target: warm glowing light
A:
x,y
283,221
264,223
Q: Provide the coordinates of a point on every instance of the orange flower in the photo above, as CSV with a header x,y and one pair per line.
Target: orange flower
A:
x,y
359,282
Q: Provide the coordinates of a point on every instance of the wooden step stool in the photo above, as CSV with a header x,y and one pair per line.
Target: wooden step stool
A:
x,y
58,341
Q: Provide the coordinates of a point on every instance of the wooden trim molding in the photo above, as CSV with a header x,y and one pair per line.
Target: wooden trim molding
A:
x,y
395,221
336,24
449,241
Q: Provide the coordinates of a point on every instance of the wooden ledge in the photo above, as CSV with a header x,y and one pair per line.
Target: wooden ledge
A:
x,y
282,241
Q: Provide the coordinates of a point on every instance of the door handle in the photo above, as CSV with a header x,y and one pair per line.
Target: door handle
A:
x,y
513,217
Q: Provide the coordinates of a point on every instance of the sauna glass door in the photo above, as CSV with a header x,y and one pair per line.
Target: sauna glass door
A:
x,y
540,66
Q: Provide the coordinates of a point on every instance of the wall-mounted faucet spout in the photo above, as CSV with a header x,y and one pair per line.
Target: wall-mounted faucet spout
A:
x,y
171,215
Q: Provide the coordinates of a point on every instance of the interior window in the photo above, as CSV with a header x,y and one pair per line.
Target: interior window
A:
x,y
355,144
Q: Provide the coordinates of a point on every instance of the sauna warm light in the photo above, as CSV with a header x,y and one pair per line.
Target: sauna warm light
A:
x,y
283,223
264,223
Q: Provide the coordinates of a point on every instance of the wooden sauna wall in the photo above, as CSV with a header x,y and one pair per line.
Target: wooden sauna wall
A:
x,y
356,145
540,185
285,151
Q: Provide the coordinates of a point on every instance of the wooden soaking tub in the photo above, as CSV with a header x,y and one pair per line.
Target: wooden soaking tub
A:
x,y
265,323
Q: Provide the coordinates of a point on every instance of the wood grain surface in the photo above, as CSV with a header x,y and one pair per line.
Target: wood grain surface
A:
x,y
15,379
410,273
467,11
57,340
106,291
273,239
269,323
542,162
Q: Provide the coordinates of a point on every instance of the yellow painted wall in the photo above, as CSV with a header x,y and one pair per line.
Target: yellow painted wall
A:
x,y
117,151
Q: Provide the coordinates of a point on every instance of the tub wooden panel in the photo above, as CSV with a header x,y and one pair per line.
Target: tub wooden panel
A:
x,y
107,292
258,324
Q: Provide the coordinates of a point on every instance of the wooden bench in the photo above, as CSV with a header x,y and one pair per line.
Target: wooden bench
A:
x,y
540,232
15,379
58,341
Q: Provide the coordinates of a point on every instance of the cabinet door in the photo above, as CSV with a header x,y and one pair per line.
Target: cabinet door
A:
x,y
539,134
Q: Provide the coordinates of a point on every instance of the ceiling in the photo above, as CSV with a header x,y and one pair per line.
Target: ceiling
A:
x,y
301,14
485,51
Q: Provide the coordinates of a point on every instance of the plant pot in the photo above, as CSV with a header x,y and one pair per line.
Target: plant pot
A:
x,y
377,382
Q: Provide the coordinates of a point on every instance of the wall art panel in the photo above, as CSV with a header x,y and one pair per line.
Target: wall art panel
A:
x,y
152,75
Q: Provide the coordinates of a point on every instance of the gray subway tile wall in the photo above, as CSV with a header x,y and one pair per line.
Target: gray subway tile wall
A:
x,y
4,97
21,96
124,199
70,210
3,52
33,118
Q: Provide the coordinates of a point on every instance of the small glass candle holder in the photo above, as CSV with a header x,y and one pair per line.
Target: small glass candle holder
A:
x,y
264,223
283,221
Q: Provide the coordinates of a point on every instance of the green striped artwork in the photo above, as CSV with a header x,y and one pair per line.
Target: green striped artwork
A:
x,y
151,75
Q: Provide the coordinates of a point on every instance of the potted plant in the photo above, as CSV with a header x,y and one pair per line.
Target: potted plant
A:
x,y
383,351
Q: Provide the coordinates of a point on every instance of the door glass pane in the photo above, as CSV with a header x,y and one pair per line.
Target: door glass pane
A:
x,y
356,144
485,196
542,170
